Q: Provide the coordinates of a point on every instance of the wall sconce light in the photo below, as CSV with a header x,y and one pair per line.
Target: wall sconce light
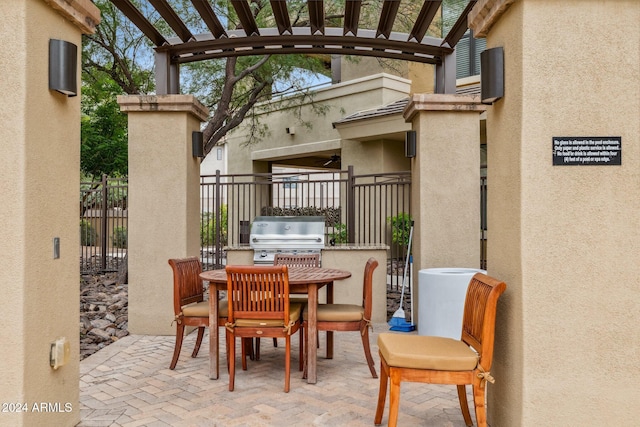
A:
x,y
291,130
63,67
197,145
492,75
59,352
410,144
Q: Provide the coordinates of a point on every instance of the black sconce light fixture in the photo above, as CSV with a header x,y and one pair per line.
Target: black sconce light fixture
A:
x,y
197,145
63,67
410,144
492,75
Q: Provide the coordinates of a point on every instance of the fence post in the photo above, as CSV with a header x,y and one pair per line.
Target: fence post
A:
x,y
104,223
351,205
218,229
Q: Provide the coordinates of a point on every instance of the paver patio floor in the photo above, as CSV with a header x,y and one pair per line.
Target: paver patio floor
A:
x,y
129,383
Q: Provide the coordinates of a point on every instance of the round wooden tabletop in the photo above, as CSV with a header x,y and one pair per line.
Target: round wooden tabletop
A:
x,y
297,275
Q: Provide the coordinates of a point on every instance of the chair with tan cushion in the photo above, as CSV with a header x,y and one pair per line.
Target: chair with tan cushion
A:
x,y
348,317
190,308
440,360
297,260
259,307
292,260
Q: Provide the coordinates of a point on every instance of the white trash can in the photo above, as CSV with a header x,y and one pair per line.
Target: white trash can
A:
x,y
442,292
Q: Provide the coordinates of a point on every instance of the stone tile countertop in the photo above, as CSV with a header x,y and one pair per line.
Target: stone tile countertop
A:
x,y
338,247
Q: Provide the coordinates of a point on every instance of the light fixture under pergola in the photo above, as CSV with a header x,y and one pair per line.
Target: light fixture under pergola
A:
x,y
284,38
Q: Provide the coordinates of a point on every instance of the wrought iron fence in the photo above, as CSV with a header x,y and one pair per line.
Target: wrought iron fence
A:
x,y
103,224
358,209
483,222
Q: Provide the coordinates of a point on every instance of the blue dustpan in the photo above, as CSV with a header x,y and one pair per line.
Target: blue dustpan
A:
x,y
398,324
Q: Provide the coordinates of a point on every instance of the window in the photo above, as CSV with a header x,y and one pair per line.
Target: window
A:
x,y
468,55
219,153
468,48
288,182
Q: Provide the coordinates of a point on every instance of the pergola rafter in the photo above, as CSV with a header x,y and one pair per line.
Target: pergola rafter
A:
x,y
312,38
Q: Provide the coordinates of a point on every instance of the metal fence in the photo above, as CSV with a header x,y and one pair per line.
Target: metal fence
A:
x,y
483,222
103,224
358,209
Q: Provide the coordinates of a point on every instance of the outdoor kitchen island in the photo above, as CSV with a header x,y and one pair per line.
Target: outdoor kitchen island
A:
x,y
344,257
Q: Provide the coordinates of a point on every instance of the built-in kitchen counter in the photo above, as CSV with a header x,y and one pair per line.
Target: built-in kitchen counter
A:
x,y
344,257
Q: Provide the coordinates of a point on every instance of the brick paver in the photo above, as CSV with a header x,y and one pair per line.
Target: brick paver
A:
x,y
129,383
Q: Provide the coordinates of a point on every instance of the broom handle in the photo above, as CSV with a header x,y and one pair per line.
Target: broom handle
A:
x,y
406,265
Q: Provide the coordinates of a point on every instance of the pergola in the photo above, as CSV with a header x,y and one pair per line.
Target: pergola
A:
x,y
309,37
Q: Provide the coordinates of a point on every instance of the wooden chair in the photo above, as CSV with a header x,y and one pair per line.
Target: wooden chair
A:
x,y
348,317
292,260
191,309
297,260
259,307
189,306
439,360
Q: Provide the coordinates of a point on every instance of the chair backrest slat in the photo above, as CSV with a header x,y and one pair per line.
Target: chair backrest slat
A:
x,y
295,260
258,292
479,319
187,285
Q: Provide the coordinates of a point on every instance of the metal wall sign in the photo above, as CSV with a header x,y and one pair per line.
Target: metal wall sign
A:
x,y
587,150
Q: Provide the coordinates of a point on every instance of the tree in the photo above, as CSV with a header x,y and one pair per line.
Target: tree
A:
x,y
114,62
230,87
103,131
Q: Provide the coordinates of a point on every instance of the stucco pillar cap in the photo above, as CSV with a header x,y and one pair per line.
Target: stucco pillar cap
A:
x,y
83,13
442,102
486,13
155,103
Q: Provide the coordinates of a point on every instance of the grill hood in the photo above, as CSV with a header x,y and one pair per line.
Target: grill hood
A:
x,y
287,232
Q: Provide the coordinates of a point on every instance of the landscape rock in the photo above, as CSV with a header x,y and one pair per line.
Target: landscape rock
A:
x,y
103,312
104,309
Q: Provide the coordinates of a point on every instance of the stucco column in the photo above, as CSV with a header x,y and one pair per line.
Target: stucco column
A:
x,y
564,238
40,179
164,202
445,181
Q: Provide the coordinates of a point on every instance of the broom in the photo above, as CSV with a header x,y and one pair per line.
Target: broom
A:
x,y
398,321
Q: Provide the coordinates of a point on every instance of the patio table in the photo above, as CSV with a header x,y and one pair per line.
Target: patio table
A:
x,y
302,280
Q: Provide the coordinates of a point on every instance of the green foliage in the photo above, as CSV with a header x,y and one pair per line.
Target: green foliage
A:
x,y
119,237
230,87
88,234
118,51
103,131
339,234
400,228
209,231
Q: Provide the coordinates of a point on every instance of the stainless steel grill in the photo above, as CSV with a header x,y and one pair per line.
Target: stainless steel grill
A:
x,y
285,234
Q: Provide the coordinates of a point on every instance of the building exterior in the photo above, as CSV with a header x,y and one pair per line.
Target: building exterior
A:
x,y
563,238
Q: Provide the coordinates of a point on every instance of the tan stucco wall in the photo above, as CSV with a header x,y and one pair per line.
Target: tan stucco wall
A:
x,y
342,99
348,291
445,181
163,185
376,156
355,67
422,77
40,174
565,238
